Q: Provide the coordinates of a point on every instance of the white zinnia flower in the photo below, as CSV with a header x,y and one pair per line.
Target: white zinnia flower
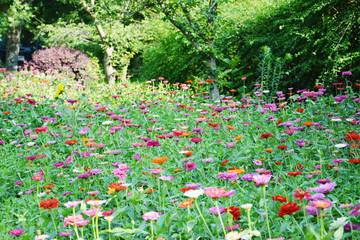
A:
x,y
233,235
247,206
340,222
341,145
107,123
194,193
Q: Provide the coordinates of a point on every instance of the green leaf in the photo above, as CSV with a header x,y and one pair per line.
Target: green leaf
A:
x,y
190,225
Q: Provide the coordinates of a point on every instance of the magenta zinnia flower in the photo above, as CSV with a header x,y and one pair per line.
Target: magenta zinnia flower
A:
x,y
17,232
190,166
216,193
229,176
196,140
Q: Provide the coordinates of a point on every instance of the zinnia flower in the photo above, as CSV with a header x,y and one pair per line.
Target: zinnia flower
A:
x,y
261,179
49,204
151,216
288,208
17,232
216,193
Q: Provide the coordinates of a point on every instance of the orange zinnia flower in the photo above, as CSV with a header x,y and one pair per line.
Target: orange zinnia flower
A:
x,y
177,170
49,186
189,153
6,113
186,134
268,150
49,204
308,124
151,190
230,127
160,160
232,90
210,81
117,187
186,204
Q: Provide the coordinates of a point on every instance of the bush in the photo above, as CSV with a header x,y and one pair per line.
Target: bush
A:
x,y
63,60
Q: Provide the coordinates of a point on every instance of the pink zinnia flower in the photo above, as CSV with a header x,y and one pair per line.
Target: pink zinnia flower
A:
x,y
72,204
261,179
120,173
93,193
216,193
70,220
96,203
151,216
91,212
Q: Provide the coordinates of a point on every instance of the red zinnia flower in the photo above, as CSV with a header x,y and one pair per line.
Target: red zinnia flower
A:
x,y
266,135
352,136
291,174
233,211
300,110
282,147
355,161
300,194
224,162
288,208
71,142
279,198
184,190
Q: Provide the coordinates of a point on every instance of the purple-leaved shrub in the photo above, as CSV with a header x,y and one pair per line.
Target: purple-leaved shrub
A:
x,y
64,60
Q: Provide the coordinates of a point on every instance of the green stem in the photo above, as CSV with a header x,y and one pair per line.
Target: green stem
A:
x,y
93,227
249,221
52,217
297,224
219,214
266,213
75,227
82,232
97,222
152,230
109,230
202,217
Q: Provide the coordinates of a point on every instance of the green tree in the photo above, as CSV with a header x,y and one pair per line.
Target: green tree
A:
x,y
13,15
110,17
197,21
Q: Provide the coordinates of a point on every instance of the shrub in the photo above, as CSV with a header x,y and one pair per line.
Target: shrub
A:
x,y
63,60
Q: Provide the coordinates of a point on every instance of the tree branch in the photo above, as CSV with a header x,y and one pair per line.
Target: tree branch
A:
x,y
178,26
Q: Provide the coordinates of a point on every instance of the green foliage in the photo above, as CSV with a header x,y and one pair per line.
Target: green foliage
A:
x,y
169,55
14,13
321,37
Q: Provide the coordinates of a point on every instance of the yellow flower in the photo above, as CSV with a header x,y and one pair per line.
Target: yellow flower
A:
x,y
73,107
238,171
111,191
60,89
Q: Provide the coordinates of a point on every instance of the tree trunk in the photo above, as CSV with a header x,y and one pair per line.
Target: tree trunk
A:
x,y
212,68
124,72
109,69
13,47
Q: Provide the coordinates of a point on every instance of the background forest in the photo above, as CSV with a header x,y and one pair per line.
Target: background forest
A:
x,y
282,43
